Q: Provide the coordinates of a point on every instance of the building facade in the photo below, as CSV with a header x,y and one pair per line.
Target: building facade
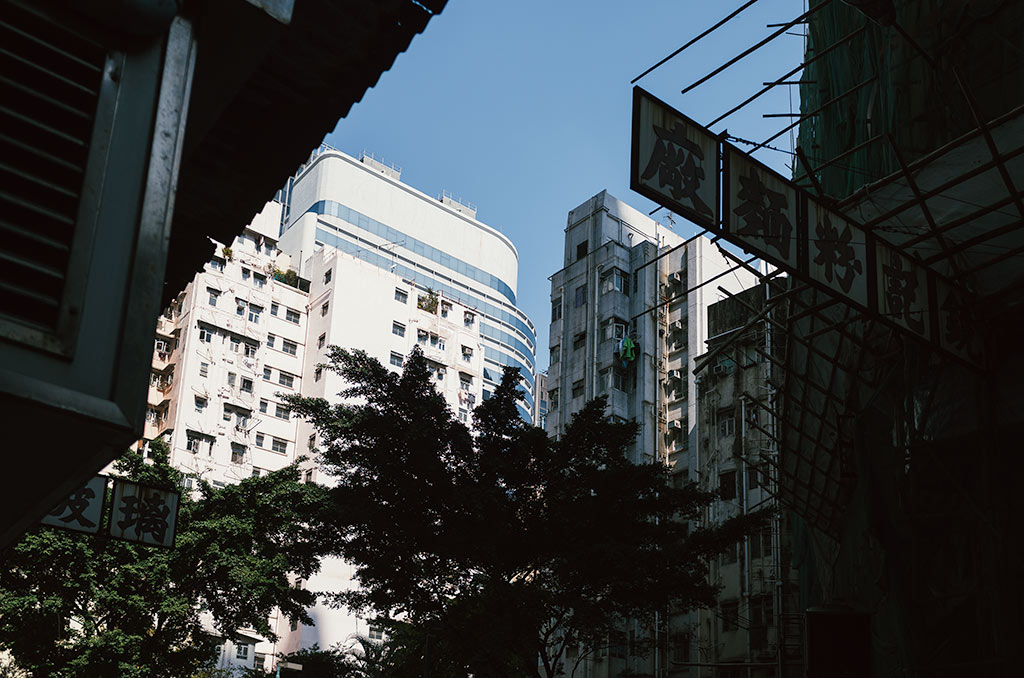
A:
x,y
626,317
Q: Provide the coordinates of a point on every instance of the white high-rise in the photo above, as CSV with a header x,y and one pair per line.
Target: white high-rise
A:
x,y
628,276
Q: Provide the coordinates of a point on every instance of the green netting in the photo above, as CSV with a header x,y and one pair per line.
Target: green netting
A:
x,y
899,93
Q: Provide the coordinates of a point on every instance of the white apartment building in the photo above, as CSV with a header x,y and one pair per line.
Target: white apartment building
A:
x,y
391,268
226,348
627,276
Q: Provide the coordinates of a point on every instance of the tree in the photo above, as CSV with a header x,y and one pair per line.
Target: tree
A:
x,y
513,546
82,605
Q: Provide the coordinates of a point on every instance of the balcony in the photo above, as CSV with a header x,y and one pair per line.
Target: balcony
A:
x,y
161,360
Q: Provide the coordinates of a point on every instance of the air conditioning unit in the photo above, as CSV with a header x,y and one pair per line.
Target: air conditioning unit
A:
x,y
718,369
677,425
677,278
676,326
675,374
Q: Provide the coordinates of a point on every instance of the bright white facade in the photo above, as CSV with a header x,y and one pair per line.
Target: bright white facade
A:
x,y
627,275
377,252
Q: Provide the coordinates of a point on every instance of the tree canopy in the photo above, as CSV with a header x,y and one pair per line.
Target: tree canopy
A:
x,y
512,545
82,605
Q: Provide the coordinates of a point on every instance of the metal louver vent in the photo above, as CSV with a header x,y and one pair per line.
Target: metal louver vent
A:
x,y
49,87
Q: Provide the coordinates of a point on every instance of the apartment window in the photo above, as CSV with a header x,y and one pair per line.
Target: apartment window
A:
x,y
250,350
204,369
201,404
259,279
556,353
463,415
289,347
245,273
270,340
467,353
318,373
308,477
279,446
468,319
398,329
580,298
752,479
614,378
556,309
311,443
613,328
239,307
259,440
579,340
396,359
274,308
217,264
263,406
285,379
401,296
256,473
445,309
615,280
324,307
242,651
321,340
205,335
192,442
246,385
232,377
237,453
266,373
577,388
236,344
254,313
227,413
726,423
213,295
730,615
282,412
437,342
376,633
553,399
291,316
727,485
327,276
582,249
465,381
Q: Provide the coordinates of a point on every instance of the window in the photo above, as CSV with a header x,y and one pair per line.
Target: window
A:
x,y
396,359
279,446
259,440
401,295
729,555
445,309
752,479
730,613
204,369
321,340
263,406
553,399
615,280
291,316
193,442
467,353
726,423
213,295
232,378
201,403
318,373
289,347
463,415
398,329
465,381
266,373
282,412
242,651
246,273
239,307
259,279
308,477
579,341
422,336
237,453
577,388
556,353
236,344
468,319
727,485
580,298
250,350
285,379
254,313
327,276
324,307
556,309
227,413
246,385
614,378
274,308
217,264
256,473
270,340
311,443
376,633
613,328
582,249
205,335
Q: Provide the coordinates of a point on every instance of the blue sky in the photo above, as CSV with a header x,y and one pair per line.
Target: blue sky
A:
x,y
524,109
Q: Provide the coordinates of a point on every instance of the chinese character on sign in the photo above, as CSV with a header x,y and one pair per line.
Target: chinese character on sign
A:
x,y
763,213
82,509
902,292
958,323
679,165
836,252
143,514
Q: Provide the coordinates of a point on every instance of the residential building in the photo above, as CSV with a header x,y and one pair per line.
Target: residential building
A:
x,y
629,279
737,455
391,268
227,348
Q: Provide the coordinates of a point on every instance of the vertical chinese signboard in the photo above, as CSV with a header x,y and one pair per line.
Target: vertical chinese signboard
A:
x,y
674,160
82,511
146,515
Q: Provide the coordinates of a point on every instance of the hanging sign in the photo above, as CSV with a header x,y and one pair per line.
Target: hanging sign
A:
x,y
142,514
82,511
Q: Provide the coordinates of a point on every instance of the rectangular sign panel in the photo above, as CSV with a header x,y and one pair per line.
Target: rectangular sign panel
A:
x,y
760,209
837,253
82,511
674,160
903,291
143,514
